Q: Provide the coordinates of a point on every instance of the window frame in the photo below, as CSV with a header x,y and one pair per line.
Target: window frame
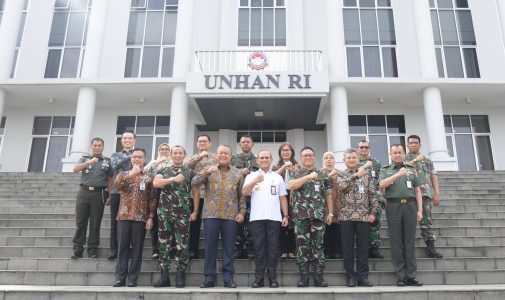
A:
x,y
249,9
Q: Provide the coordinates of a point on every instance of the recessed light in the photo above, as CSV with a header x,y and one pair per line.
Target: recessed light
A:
x,y
258,113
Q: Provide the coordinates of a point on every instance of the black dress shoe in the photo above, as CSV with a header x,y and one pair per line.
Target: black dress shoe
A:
x,y
76,255
132,284
401,282
230,284
207,284
118,283
111,255
257,284
413,282
351,282
364,282
92,254
274,283
193,255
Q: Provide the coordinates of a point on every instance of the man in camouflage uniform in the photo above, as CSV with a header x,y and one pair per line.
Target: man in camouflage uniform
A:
x,y
312,201
246,162
372,167
174,215
428,180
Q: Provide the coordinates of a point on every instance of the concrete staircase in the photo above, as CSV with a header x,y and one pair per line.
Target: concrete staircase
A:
x,y
37,222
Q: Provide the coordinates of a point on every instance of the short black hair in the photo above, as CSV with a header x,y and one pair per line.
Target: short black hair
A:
x,y
307,148
363,141
129,131
98,140
414,136
200,135
247,136
396,145
178,146
141,150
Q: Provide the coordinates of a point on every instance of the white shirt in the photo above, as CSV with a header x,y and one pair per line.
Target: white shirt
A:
x,y
265,197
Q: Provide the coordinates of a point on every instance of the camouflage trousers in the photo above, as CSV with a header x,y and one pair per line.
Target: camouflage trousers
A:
x,y
309,242
426,223
172,225
243,238
375,227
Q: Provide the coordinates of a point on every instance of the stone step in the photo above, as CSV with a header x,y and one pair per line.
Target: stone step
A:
x,y
461,292
245,265
66,251
243,279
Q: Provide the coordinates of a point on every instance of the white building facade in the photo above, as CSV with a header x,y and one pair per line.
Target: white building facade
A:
x,y
320,73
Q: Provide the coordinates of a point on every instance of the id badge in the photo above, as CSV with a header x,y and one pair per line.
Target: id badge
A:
x,y
316,187
142,186
86,171
361,188
257,187
273,190
373,173
409,184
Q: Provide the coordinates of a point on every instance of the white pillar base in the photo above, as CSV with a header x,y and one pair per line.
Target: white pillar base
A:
x,y
178,117
339,122
434,117
84,115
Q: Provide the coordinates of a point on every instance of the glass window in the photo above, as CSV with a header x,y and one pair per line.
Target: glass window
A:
x,y
484,152
371,57
386,27
396,123
465,152
480,124
125,123
351,27
150,40
453,30
350,3
56,152
369,27
280,137
162,125
67,38
379,147
450,147
2,125
61,125
41,125
355,139
145,125
461,124
389,61
145,142
37,155
353,62
357,124
367,3
384,3
261,23
395,139
448,124
267,137
376,124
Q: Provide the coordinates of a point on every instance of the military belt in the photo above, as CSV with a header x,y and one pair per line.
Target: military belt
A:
x,y
401,200
92,188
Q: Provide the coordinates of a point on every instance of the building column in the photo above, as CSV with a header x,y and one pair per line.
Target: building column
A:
x,y
339,121
11,20
432,98
501,12
3,95
86,100
182,64
336,44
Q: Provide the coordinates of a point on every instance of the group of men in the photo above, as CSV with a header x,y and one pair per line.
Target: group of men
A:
x,y
242,200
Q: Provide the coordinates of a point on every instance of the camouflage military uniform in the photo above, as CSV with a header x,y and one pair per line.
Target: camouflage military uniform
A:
x,y
425,169
243,242
375,227
174,209
309,212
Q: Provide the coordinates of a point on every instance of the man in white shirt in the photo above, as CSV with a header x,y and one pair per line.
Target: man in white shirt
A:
x,y
268,196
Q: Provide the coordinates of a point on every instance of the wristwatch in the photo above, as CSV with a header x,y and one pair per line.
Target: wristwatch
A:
x,y
330,214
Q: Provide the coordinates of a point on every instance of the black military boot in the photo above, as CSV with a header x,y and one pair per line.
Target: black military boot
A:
x,y
318,278
180,278
431,251
373,252
304,277
238,253
164,280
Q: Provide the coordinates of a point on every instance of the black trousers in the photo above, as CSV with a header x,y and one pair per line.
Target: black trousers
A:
x,y
359,231
130,233
194,229
115,198
332,240
265,238
287,240
155,243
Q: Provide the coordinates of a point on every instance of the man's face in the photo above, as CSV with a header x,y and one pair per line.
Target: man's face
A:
x,y
264,160
397,154
97,148
414,145
127,140
307,158
223,156
364,149
203,143
351,160
138,158
246,144
178,155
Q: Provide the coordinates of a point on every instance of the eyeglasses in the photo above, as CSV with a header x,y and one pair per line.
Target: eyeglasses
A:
x,y
308,155
364,147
